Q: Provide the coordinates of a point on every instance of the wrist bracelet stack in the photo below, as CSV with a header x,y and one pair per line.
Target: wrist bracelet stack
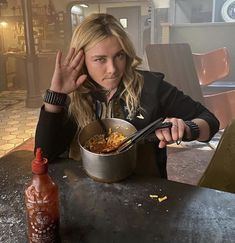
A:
x,y
194,129
55,98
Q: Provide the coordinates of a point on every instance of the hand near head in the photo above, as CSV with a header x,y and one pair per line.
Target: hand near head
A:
x,y
67,75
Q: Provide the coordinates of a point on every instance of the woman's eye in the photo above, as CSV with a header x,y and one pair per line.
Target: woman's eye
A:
x,y
100,59
121,55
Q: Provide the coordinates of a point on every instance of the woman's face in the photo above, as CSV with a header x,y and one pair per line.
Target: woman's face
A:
x,y
106,63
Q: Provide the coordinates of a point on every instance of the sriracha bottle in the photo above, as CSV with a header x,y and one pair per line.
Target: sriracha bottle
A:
x,y
42,204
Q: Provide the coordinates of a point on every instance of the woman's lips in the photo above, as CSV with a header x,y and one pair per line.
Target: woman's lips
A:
x,y
112,78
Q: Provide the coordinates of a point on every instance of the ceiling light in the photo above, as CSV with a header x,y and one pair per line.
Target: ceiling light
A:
x,y
3,24
83,5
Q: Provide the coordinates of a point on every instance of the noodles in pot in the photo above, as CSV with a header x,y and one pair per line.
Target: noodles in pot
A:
x,y
99,144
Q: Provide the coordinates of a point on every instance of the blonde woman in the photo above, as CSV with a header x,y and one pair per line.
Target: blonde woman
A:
x,y
100,75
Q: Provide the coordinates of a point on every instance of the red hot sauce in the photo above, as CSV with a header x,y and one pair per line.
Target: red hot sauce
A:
x,y
42,204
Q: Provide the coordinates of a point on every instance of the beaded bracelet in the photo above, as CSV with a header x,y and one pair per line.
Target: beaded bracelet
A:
x,y
194,129
55,98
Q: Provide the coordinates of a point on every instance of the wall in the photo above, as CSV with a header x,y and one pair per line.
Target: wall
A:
x,y
103,6
206,37
193,11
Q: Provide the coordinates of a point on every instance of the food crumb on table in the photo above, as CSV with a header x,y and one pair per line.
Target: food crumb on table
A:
x,y
160,199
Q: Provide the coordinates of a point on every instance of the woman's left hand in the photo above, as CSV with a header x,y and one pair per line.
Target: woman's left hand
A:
x,y
173,134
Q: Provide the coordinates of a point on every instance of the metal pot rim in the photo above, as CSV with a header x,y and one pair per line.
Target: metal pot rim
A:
x,y
103,154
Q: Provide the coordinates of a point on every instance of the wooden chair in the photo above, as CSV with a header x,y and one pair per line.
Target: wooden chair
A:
x,y
176,62
212,66
220,173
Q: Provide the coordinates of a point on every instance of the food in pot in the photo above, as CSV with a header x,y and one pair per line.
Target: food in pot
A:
x,y
100,144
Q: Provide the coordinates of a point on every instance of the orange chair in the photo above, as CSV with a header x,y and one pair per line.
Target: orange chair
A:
x,y
212,66
222,104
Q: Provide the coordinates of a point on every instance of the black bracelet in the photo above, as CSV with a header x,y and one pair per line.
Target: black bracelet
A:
x,y
55,98
194,129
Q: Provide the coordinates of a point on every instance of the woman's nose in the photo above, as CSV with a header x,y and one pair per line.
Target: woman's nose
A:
x,y
111,67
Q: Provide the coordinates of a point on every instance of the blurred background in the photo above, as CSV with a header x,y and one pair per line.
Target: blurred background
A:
x,y
204,24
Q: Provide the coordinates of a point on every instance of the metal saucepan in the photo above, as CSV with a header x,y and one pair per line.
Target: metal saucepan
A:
x,y
108,167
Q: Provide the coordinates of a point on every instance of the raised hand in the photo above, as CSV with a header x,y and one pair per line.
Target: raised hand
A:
x,y
67,75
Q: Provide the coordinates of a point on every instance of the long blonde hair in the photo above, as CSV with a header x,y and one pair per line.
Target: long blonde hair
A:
x,y
93,29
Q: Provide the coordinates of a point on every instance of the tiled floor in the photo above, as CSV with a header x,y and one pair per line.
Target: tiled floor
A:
x,y
17,123
186,162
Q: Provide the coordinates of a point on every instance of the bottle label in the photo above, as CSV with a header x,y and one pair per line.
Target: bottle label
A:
x,y
43,218
42,227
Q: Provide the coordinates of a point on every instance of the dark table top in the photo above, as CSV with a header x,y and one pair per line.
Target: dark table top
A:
x,y
119,212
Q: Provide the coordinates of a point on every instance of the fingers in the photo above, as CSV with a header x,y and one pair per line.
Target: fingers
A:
x,y
80,80
74,62
177,130
173,134
164,134
69,56
162,144
78,61
58,59
74,59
